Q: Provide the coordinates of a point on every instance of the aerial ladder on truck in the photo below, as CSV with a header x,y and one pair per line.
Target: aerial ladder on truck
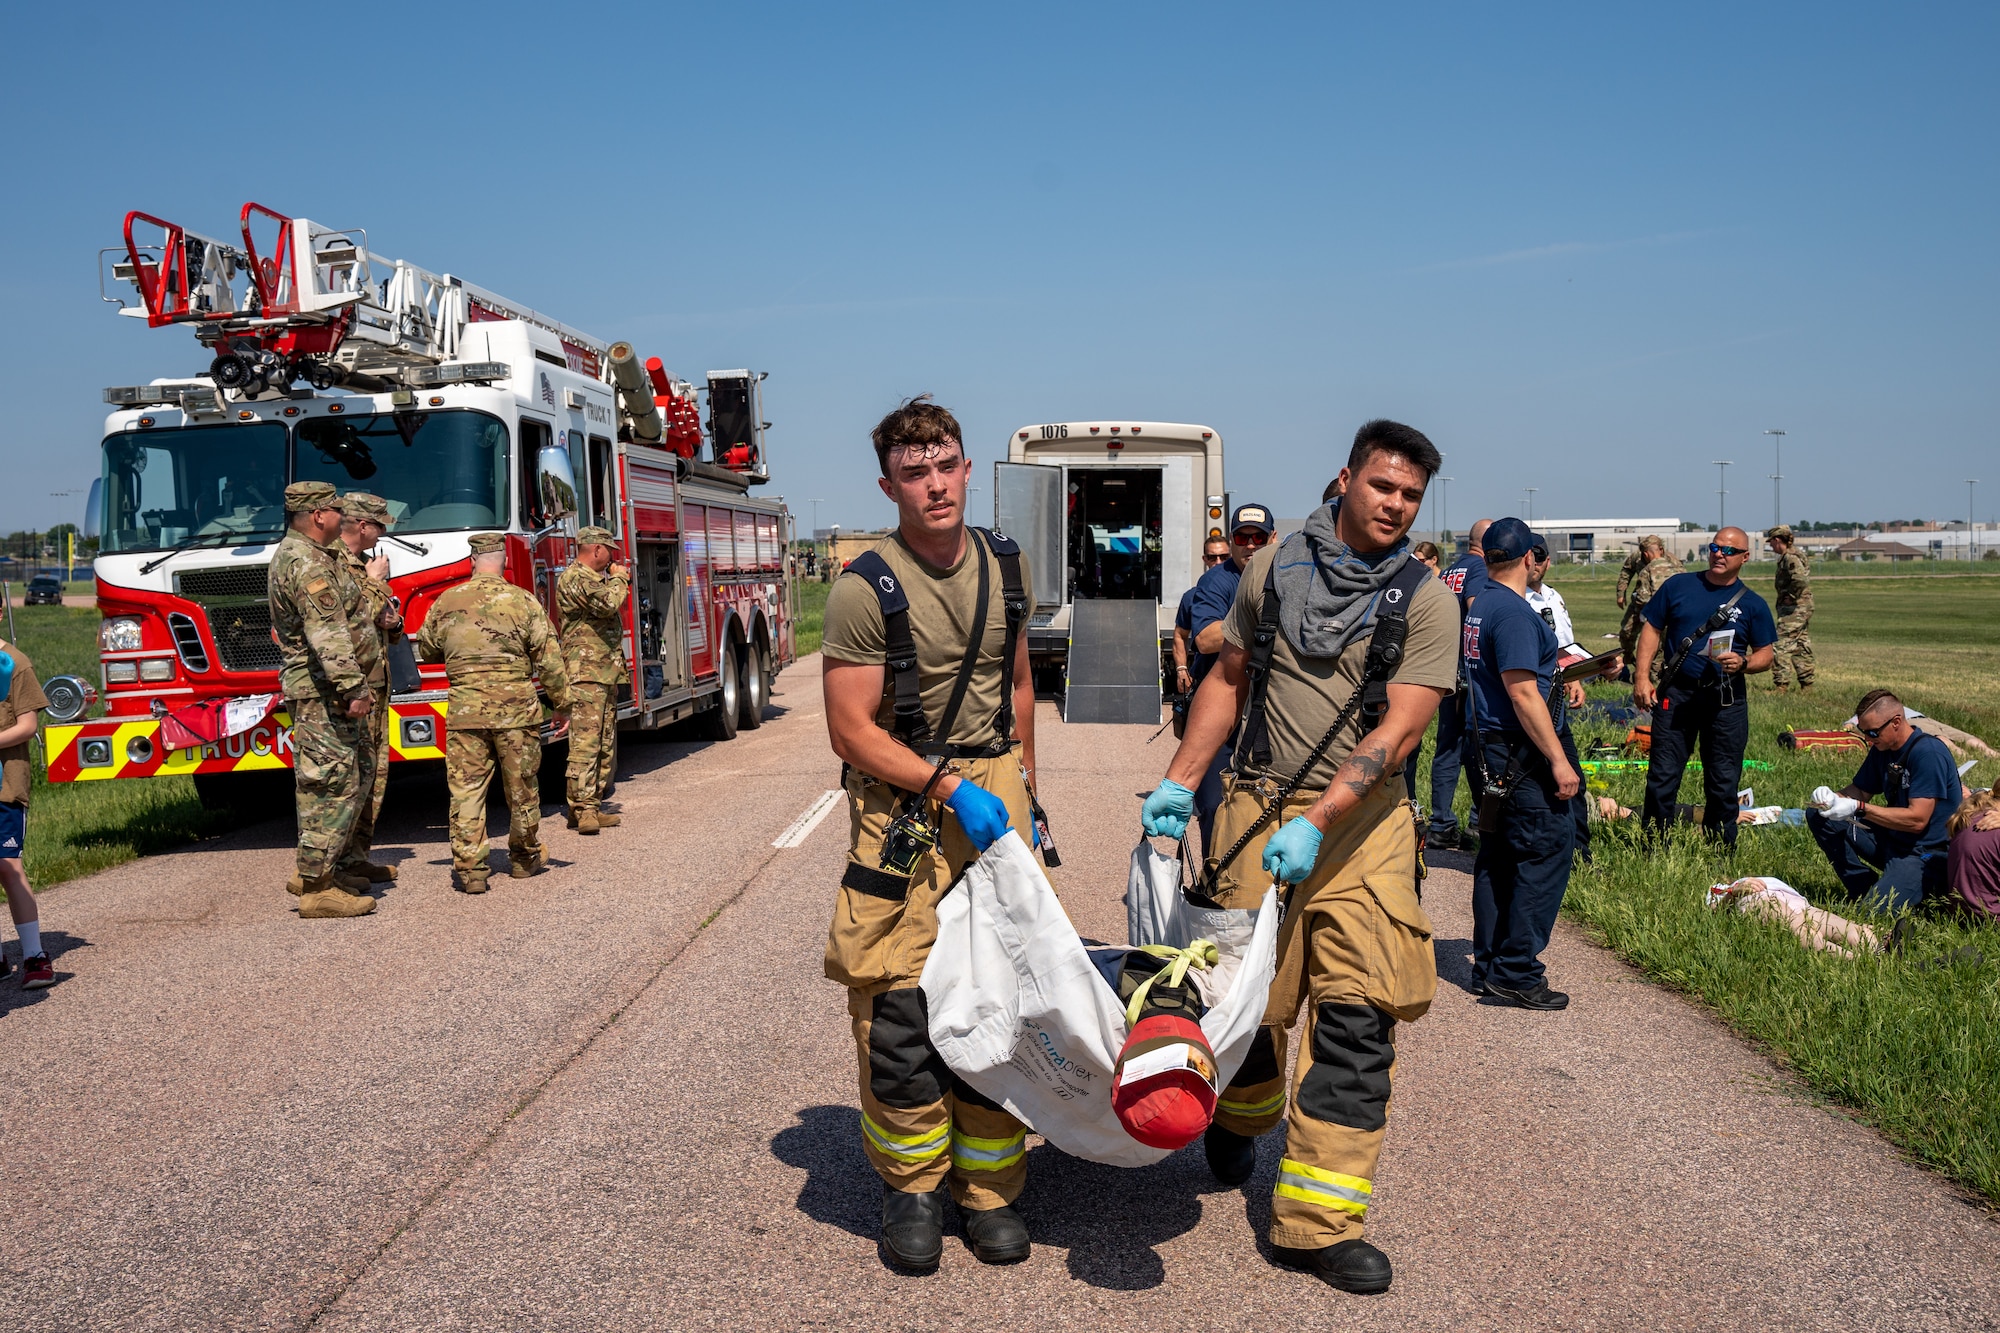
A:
x,y
467,412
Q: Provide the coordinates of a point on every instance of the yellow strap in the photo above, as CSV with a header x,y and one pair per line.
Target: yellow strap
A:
x,y
1202,954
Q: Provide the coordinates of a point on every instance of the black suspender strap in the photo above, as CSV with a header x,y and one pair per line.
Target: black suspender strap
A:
x,y
1255,741
1015,599
910,725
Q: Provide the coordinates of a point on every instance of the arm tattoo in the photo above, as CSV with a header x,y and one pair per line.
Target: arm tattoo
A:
x,y
1363,769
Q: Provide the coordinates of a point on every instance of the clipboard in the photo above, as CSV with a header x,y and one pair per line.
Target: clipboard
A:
x,y
1588,667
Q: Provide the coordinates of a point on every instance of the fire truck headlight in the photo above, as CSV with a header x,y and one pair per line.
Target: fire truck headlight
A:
x,y
157,668
121,673
119,634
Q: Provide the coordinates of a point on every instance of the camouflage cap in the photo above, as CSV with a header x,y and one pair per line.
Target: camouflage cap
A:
x,y
594,536
487,543
1783,532
304,496
360,504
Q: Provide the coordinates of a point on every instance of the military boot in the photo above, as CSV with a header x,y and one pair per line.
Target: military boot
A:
x,y
472,880
373,873
353,881
605,819
322,897
584,822
526,867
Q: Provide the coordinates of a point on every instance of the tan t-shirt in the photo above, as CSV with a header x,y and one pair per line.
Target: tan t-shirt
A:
x,y
1307,694
942,606
24,696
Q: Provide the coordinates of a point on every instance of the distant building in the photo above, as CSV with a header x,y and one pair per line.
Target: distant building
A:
x,y
1863,548
1588,540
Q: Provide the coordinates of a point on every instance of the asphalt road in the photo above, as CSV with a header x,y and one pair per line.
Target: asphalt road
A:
x,y
620,1095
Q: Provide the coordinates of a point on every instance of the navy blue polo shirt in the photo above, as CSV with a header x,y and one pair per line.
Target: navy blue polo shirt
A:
x,y
1684,604
1503,633
1923,767
1206,603
1466,577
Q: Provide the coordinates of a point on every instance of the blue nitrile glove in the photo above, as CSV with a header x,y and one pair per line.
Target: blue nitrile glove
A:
x,y
1167,811
980,813
1290,853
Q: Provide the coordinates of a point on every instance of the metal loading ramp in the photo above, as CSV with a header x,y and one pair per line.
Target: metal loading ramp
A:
x,y
1114,663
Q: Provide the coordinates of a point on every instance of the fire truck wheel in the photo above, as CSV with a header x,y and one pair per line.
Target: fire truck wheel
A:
x,y
719,722
755,690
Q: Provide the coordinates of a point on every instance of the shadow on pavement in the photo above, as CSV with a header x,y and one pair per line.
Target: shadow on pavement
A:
x,y
1111,1218
55,943
1454,963
841,1189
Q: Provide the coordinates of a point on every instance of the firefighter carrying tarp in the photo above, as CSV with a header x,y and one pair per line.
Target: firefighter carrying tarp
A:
x,y
1337,654
931,709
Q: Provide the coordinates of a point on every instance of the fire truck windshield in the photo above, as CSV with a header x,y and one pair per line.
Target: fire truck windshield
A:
x,y
438,470
166,487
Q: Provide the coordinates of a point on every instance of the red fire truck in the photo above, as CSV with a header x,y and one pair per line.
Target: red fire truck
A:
x,y
467,413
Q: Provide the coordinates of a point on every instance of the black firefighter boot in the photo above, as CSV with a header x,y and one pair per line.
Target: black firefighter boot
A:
x,y
1232,1158
913,1230
998,1235
1352,1265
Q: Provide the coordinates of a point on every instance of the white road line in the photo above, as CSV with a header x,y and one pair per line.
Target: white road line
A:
x,y
802,827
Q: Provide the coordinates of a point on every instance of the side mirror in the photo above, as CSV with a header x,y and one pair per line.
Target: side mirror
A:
x,y
555,484
92,508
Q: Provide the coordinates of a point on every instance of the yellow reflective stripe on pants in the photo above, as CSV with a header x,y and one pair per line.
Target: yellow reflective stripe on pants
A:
x,y
974,1154
1329,1189
924,1147
1252,1109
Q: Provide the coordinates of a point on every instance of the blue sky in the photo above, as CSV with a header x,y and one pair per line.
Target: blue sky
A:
x,y
1587,250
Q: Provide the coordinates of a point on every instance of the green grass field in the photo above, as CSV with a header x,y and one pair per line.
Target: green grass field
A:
x,y
1905,1044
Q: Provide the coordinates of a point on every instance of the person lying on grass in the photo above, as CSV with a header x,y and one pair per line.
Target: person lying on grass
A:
x,y
1775,900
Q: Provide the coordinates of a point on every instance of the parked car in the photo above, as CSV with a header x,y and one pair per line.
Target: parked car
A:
x,y
44,590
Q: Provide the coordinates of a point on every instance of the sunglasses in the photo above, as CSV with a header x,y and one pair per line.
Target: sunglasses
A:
x,y
1250,537
1714,549
1872,732
1213,559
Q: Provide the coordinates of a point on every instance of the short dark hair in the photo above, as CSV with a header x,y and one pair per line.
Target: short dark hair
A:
x,y
1873,700
917,421
1393,437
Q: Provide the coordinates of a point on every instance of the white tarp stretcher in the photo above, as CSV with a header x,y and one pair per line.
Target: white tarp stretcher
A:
x,y
1019,1010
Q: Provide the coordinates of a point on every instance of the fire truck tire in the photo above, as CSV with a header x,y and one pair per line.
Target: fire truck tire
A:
x,y
756,687
258,794
719,722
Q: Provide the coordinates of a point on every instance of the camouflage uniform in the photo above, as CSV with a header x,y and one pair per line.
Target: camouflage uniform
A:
x,y
1794,658
371,642
314,606
593,652
1644,586
1633,564
492,637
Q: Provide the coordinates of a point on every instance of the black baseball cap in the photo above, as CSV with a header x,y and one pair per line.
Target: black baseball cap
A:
x,y
1510,539
1252,516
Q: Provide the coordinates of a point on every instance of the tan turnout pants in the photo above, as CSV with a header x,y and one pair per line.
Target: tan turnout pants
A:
x,y
919,1124
1356,949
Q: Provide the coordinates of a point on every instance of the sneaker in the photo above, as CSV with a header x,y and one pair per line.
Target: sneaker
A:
x,y
37,973
1541,997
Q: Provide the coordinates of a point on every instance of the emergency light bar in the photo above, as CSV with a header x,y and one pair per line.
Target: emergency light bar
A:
x,y
193,401
454,372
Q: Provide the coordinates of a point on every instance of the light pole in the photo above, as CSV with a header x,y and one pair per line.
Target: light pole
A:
x,y
816,503
1777,477
1444,507
1722,492
1971,528
1529,491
